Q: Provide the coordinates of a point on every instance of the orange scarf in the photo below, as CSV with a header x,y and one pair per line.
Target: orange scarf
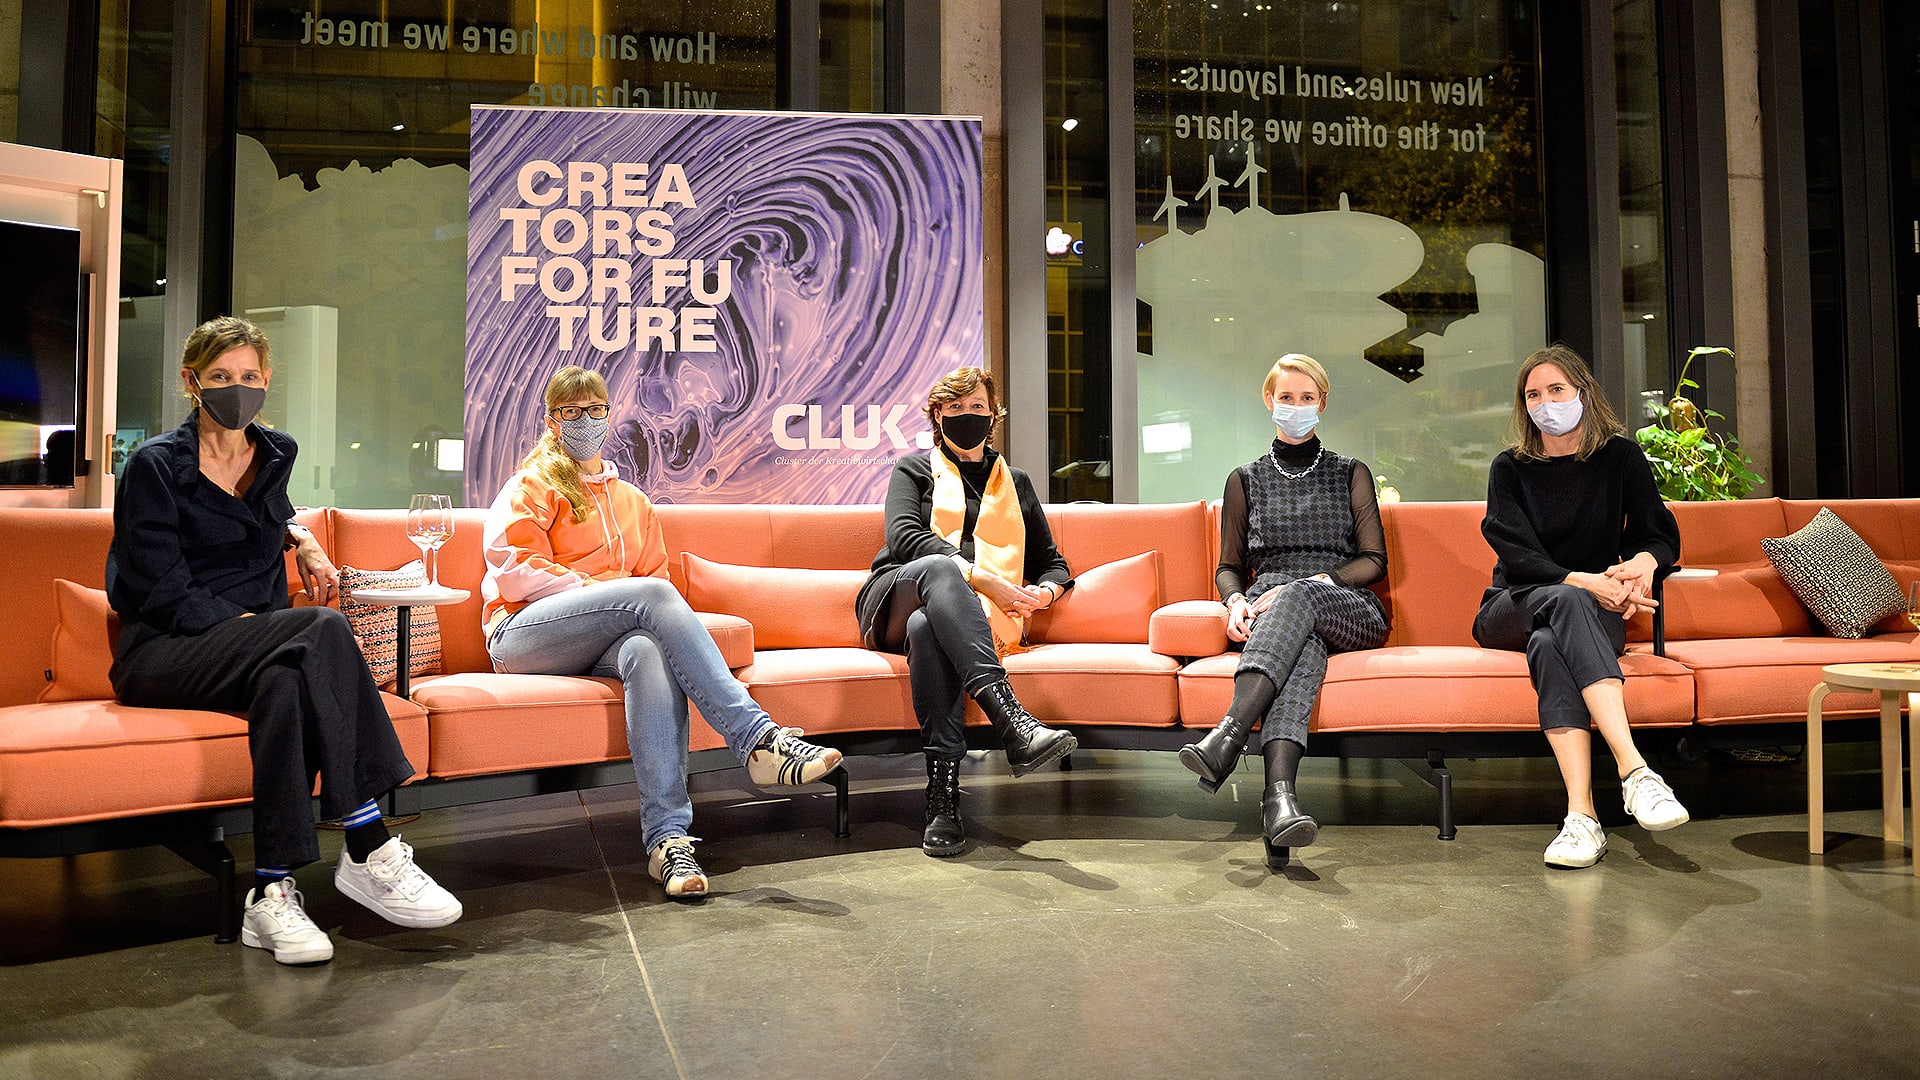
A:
x,y
999,537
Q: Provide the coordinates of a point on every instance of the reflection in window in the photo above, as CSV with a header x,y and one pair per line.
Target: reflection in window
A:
x,y
1643,216
350,202
1359,183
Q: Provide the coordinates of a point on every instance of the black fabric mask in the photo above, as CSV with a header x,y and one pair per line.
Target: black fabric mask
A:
x,y
232,407
967,430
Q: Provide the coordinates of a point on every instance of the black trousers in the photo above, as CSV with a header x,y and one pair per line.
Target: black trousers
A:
x,y
1571,643
930,613
311,707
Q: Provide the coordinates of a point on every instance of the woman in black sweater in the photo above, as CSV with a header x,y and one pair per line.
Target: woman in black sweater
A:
x,y
1580,532
1300,541
965,537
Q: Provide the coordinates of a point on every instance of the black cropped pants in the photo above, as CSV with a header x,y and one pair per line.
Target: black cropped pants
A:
x,y
1570,640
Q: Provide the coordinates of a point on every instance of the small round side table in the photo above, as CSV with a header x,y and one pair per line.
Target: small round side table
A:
x,y
1894,683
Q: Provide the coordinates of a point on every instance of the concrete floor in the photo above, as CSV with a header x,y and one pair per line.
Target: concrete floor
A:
x,y
1113,921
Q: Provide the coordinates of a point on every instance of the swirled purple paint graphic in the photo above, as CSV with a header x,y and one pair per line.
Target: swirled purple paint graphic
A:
x,y
855,251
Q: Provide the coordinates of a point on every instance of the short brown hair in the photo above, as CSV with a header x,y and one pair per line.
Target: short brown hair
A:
x,y
957,384
1597,419
217,337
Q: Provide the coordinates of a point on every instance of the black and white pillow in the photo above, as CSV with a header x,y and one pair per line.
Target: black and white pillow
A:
x,y
1836,575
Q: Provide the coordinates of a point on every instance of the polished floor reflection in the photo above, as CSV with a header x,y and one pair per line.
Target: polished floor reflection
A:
x,y
1112,921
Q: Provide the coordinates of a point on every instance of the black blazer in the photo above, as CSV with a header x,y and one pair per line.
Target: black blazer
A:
x,y
185,554
910,534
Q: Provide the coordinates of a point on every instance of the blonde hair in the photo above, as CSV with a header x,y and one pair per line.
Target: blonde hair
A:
x,y
548,459
1302,363
1597,420
957,384
214,339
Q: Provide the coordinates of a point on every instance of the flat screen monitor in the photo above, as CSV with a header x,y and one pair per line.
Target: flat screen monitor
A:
x,y
42,297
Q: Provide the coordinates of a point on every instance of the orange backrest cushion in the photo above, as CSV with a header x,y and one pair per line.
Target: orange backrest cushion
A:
x,y
1094,534
1750,601
789,607
1112,602
83,632
1891,527
1438,565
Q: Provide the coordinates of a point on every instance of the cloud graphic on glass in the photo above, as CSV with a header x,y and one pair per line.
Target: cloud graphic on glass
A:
x,y
856,252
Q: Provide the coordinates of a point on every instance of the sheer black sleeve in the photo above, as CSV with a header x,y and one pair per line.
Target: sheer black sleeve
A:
x,y
1370,563
1231,576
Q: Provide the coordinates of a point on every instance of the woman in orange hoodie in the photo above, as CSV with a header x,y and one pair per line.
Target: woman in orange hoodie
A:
x,y
577,584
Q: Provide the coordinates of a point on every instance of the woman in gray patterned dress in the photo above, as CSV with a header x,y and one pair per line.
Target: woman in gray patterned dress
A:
x,y
1300,541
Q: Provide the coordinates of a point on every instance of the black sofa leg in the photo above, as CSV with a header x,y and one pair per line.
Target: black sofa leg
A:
x,y
1443,779
842,812
212,856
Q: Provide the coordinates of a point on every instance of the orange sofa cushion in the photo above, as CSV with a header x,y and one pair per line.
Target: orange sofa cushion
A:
x,y
83,632
77,761
732,635
1107,683
1111,602
1751,601
1767,679
789,608
486,722
1189,628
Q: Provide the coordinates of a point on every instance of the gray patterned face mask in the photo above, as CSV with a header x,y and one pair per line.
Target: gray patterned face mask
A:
x,y
583,438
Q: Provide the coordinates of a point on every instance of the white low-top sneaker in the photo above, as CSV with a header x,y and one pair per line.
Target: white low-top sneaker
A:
x,y
671,864
276,921
1581,843
1651,801
391,885
789,761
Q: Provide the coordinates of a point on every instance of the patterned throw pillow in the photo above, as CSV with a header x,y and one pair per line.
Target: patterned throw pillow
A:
x,y
1836,575
378,628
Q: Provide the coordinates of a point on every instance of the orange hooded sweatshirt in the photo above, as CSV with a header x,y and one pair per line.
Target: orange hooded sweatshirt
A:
x,y
534,548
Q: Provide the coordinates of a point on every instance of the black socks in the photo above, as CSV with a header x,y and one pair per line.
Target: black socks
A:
x,y
1283,759
1253,695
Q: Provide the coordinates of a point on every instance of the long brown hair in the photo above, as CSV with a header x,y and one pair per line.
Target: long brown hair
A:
x,y
548,459
1597,420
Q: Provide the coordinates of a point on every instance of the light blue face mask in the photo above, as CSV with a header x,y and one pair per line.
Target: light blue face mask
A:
x,y
583,437
1557,417
1296,421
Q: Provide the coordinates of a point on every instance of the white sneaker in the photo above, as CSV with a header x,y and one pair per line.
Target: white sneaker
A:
x,y
789,761
1651,801
274,920
1580,843
671,864
393,887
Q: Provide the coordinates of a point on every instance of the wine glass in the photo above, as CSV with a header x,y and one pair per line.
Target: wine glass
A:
x,y
1913,603
429,524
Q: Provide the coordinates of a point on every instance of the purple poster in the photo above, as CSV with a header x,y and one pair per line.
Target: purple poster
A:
x,y
769,295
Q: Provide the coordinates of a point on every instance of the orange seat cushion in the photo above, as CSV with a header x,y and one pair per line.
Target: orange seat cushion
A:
x,y
1767,680
83,632
486,722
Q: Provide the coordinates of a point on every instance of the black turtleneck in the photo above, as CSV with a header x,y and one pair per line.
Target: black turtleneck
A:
x,y
1368,561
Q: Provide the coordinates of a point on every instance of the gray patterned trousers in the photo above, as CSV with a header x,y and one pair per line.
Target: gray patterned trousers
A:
x,y
1290,641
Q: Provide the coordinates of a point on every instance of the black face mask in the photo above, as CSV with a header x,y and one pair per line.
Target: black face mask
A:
x,y
967,430
232,407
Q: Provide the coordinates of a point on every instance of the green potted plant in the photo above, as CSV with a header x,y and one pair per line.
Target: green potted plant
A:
x,y
1690,462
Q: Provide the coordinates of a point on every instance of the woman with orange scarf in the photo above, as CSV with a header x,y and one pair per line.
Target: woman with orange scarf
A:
x,y
965,536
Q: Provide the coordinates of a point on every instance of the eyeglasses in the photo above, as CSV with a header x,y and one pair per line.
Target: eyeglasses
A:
x,y
574,412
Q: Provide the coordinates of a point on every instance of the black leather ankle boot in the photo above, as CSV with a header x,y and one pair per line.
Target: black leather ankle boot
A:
x,y
1282,823
946,834
1215,755
1028,743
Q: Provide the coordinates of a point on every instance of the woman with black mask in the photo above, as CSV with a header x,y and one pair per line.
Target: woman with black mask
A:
x,y
198,577
965,537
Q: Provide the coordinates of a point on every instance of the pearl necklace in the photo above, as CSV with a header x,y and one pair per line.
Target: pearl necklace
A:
x,y
1275,458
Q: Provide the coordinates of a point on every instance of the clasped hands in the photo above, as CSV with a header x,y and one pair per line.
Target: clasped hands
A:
x,y
1625,587
1241,612
1018,600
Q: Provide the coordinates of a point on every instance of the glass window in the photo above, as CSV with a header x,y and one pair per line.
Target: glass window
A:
x,y
852,51
1356,182
1643,215
350,201
10,70
133,122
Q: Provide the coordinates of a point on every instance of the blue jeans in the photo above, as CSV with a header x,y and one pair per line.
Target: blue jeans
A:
x,y
640,631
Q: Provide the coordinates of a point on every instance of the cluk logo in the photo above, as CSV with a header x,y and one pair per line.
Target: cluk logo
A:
x,y
882,421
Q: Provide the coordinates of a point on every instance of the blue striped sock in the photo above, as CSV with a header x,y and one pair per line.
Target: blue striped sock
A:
x,y
264,876
369,811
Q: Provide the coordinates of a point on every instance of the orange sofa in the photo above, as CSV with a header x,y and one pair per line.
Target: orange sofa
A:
x,y
1132,658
